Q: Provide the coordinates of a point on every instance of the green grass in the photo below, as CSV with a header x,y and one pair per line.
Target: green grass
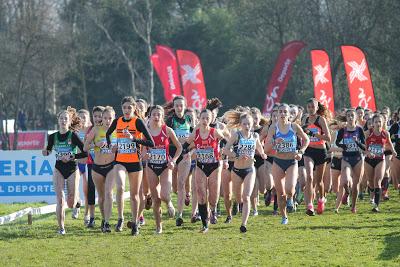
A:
x,y
364,239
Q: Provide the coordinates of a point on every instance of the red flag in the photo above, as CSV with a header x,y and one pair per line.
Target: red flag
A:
x,y
281,74
168,72
323,89
192,78
358,78
155,60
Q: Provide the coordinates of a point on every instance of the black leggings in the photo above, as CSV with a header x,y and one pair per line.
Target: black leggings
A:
x,y
91,195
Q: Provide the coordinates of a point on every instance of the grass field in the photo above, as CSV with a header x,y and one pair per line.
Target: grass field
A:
x,y
364,239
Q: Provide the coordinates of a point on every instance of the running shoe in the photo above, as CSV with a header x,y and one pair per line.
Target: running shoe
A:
x,y
228,219
102,226
290,205
107,228
353,210
119,225
254,213
61,231
375,209
141,221
213,218
275,213
321,205
135,229
91,223
193,219
198,217
243,229
75,213
345,199
285,220
179,221
149,203
204,229
187,200
235,208
171,210
267,198
310,210
336,211
86,220
159,230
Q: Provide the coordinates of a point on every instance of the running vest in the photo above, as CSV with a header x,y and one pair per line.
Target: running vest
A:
x,y
64,148
101,137
181,130
207,150
348,140
246,147
159,153
289,143
376,143
315,128
127,150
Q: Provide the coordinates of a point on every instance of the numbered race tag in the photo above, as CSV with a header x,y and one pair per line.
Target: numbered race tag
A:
x,y
105,149
181,133
205,155
62,152
285,147
126,146
351,146
313,138
158,155
247,147
376,149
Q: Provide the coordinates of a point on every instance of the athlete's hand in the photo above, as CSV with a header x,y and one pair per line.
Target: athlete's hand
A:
x,y
171,164
298,156
114,148
370,155
101,144
45,152
146,156
264,156
394,153
225,164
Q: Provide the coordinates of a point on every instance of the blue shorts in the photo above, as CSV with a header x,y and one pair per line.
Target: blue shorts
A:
x,y
82,167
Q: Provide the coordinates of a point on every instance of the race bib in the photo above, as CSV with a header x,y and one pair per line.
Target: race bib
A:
x,y
205,155
313,138
180,133
62,152
105,149
285,147
351,146
126,146
376,149
247,147
158,156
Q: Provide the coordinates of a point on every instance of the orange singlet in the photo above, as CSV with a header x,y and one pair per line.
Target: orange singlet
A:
x,y
128,151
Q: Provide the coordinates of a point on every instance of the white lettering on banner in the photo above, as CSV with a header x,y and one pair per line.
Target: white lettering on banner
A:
x,y
26,176
284,70
363,101
270,100
324,99
357,71
197,102
191,74
25,168
171,78
321,71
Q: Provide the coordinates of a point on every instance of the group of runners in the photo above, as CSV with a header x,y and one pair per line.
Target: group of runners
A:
x,y
293,156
